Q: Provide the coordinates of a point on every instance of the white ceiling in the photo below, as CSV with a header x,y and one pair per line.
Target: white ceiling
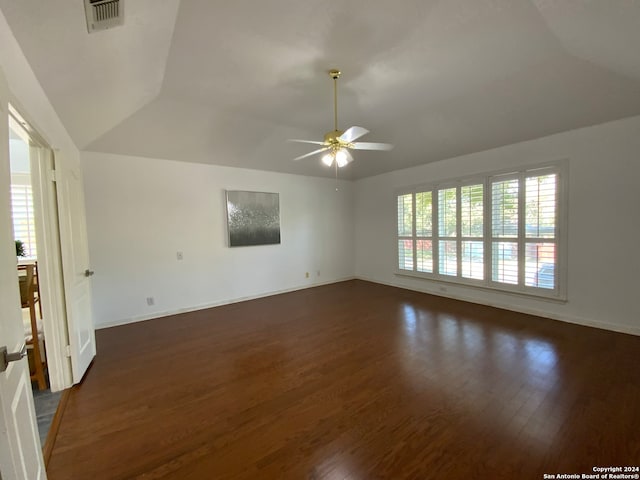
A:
x,y
228,82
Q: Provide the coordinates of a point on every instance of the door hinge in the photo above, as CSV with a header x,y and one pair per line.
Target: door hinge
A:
x,y
67,350
52,175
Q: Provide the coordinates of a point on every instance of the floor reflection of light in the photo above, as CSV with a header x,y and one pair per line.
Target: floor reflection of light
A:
x,y
335,467
410,328
541,356
449,328
506,344
409,318
473,337
413,355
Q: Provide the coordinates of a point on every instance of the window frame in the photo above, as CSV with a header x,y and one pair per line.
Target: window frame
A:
x,y
559,292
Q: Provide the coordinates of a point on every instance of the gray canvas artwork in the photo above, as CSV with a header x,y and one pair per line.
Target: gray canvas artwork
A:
x,y
253,218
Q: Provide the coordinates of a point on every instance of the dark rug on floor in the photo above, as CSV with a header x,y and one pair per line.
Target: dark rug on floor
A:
x,y
46,405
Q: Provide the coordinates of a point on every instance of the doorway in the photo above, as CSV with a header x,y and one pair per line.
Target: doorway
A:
x,y
29,156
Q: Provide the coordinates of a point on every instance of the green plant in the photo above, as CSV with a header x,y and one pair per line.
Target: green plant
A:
x,y
20,249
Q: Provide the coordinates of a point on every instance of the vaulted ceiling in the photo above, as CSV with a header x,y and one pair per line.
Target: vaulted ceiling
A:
x,y
229,82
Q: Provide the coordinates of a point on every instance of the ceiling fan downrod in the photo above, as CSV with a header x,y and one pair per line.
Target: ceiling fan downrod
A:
x,y
335,74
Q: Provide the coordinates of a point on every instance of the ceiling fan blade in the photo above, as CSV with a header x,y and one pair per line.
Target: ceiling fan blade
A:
x,y
305,141
311,153
371,146
352,133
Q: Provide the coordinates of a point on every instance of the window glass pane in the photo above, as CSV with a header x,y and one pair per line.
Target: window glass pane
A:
x,y
473,260
425,256
540,200
447,212
504,267
504,208
540,261
424,212
24,228
447,255
405,254
405,214
472,213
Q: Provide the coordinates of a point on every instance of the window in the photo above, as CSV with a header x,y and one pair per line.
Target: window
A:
x,y
424,232
21,191
472,231
498,231
405,232
23,221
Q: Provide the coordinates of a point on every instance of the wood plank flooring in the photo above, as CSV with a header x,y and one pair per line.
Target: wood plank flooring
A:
x,y
352,381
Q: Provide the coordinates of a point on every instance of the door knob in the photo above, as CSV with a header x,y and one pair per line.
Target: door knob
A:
x,y
88,273
5,357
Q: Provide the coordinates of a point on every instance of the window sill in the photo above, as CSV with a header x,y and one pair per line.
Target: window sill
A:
x,y
553,295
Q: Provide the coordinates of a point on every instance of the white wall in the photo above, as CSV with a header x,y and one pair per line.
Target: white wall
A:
x,y
27,96
141,212
604,223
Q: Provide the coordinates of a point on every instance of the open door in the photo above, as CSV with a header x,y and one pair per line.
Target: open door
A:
x,y
20,453
63,265
76,270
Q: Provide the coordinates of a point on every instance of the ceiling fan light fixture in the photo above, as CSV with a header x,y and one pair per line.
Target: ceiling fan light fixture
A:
x,y
327,159
341,158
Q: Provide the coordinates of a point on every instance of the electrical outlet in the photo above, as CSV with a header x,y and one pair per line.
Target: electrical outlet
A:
x,y
318,273
150,301
179,255
306,275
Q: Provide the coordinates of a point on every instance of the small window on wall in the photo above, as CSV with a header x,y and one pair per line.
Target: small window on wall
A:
x,y
23,222
541,242
424,232
504,231
21,191
406,243
498,231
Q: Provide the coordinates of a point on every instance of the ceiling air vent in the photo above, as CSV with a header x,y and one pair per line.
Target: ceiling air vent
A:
x,y
103,14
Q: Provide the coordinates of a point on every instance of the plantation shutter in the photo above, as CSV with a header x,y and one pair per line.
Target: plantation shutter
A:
x,y
23,222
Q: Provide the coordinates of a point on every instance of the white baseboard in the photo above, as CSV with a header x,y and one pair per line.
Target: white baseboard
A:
x,y
587,322
168,313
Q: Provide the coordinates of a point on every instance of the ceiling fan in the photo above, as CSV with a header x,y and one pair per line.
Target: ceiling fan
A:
x,y
338,143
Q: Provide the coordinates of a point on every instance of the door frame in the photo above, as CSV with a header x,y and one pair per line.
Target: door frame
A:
x,y
52,298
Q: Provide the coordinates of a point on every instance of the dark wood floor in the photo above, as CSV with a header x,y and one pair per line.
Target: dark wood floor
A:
x,y
352,381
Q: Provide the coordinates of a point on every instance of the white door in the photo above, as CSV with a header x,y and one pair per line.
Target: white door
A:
x,y
76,270
20,453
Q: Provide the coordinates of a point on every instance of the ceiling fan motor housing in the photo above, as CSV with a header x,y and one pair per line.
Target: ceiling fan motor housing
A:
x,y
331,138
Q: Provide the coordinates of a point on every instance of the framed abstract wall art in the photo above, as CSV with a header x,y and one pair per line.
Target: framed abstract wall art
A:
x,y
253,218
